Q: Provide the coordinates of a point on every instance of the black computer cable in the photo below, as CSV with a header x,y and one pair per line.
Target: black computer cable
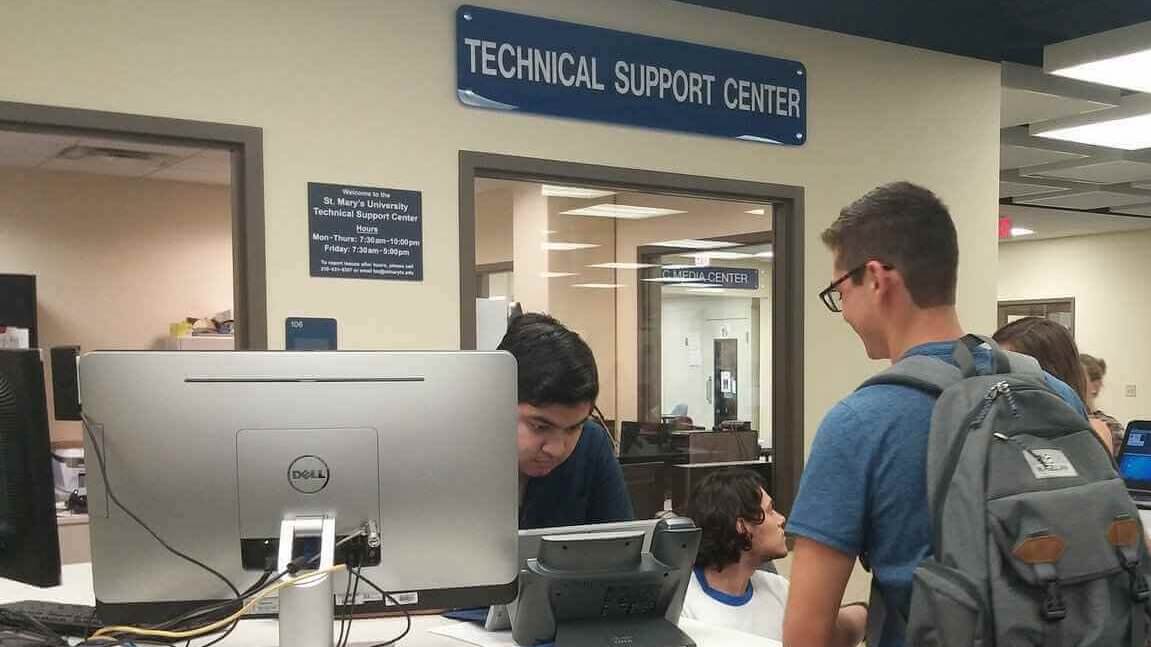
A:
x,y
349,609
114,499
358,573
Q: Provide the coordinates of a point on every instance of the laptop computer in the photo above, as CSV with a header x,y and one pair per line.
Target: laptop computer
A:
x,y
1134,461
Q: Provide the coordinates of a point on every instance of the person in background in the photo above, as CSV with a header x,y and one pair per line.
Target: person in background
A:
x,y
741,530
1052,345
1096,370
569,474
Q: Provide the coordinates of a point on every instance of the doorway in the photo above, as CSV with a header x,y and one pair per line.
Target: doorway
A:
x,y
580,244
242,145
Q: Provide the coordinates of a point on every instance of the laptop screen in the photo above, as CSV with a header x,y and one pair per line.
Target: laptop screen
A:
x,y
1135,458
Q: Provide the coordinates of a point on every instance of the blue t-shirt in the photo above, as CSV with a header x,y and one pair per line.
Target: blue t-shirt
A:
x,y
586,488
864,488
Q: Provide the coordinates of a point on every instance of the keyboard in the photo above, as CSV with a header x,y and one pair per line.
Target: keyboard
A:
x,y
65,619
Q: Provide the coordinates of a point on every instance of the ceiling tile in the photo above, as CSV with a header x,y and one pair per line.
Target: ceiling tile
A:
x,y
28,150
1112,172
1014,189
180,173
207,162
1020,156
1020,107
146,147
1057,223
1144,210
1088,200
103,166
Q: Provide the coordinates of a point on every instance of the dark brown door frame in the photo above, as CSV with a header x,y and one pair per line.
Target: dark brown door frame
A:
x,y
787,280
249,270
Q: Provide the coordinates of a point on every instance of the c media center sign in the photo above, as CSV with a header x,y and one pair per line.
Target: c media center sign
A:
x,y
737,278
512,62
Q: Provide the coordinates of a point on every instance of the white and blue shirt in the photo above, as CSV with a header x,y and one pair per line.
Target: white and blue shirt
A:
x,y
759,610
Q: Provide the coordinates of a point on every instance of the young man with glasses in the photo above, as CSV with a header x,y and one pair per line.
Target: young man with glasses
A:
x,y
863,490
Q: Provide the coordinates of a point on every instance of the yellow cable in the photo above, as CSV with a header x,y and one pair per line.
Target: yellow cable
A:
x,y
207,629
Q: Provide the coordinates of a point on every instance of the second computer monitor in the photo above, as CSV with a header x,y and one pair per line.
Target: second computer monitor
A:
x,y
29,546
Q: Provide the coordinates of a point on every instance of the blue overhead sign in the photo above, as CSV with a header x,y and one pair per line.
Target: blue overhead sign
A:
x,y
739,278
508,61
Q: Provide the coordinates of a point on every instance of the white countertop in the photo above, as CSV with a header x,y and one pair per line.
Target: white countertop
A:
x,y
76,588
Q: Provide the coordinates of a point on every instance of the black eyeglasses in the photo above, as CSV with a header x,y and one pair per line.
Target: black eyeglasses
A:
x,y
832,297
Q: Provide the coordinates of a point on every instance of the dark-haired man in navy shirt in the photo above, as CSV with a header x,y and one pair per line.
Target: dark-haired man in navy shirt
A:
x,y
569,474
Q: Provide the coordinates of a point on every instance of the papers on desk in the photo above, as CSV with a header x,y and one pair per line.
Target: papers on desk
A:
x,y
475,634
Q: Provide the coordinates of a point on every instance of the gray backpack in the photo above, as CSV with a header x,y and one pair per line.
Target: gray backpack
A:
x,y
1035,539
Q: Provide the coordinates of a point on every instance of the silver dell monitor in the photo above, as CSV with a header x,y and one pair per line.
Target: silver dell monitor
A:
x,y
213,451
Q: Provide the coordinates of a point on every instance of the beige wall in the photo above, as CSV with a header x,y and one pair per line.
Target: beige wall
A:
x,y
494,226
363,92
530,213
588,311
1107,276
116,259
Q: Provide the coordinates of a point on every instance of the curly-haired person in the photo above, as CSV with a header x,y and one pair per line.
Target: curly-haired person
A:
x,y
742,531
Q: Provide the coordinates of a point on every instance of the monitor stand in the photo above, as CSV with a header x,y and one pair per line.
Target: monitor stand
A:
x,y
612,632
306,613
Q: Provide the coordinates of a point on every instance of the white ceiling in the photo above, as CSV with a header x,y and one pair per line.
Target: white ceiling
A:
x,y
178,163
1058,223
1050,173
701,207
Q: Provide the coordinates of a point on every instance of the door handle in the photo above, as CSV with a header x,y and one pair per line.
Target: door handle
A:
x,y
709,389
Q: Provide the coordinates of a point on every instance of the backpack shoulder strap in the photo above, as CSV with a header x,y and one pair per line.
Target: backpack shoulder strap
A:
x,y
1024,364
928,374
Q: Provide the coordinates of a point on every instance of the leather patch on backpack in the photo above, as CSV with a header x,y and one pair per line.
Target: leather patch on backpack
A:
x,y
1042,549
1123,532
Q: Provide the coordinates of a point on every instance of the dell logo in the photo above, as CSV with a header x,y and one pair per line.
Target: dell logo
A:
x,y
308,474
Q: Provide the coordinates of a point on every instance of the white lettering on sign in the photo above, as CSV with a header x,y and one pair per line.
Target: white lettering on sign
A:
x,y
511,61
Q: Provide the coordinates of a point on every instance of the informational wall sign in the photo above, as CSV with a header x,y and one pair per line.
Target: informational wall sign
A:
x,y
739,278
359,232
309,333
508,61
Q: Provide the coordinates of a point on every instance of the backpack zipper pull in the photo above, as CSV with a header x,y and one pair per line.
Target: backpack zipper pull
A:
x,y
996,390
1004,389
1015,441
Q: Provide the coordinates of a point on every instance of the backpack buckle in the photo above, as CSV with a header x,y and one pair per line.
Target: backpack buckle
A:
x,y
1140,590
1054,609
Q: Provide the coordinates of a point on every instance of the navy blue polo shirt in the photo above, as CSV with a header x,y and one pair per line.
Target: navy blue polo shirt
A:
x,y
586,488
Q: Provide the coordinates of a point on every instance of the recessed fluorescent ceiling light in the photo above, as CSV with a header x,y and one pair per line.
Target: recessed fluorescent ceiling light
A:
x,y
600,286
666,279
722,256
1021,231
622,211
757,212
1119,57
622,266
767,254
566,247
691,243
556,191
707,290
1127,126
678,266
556,275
